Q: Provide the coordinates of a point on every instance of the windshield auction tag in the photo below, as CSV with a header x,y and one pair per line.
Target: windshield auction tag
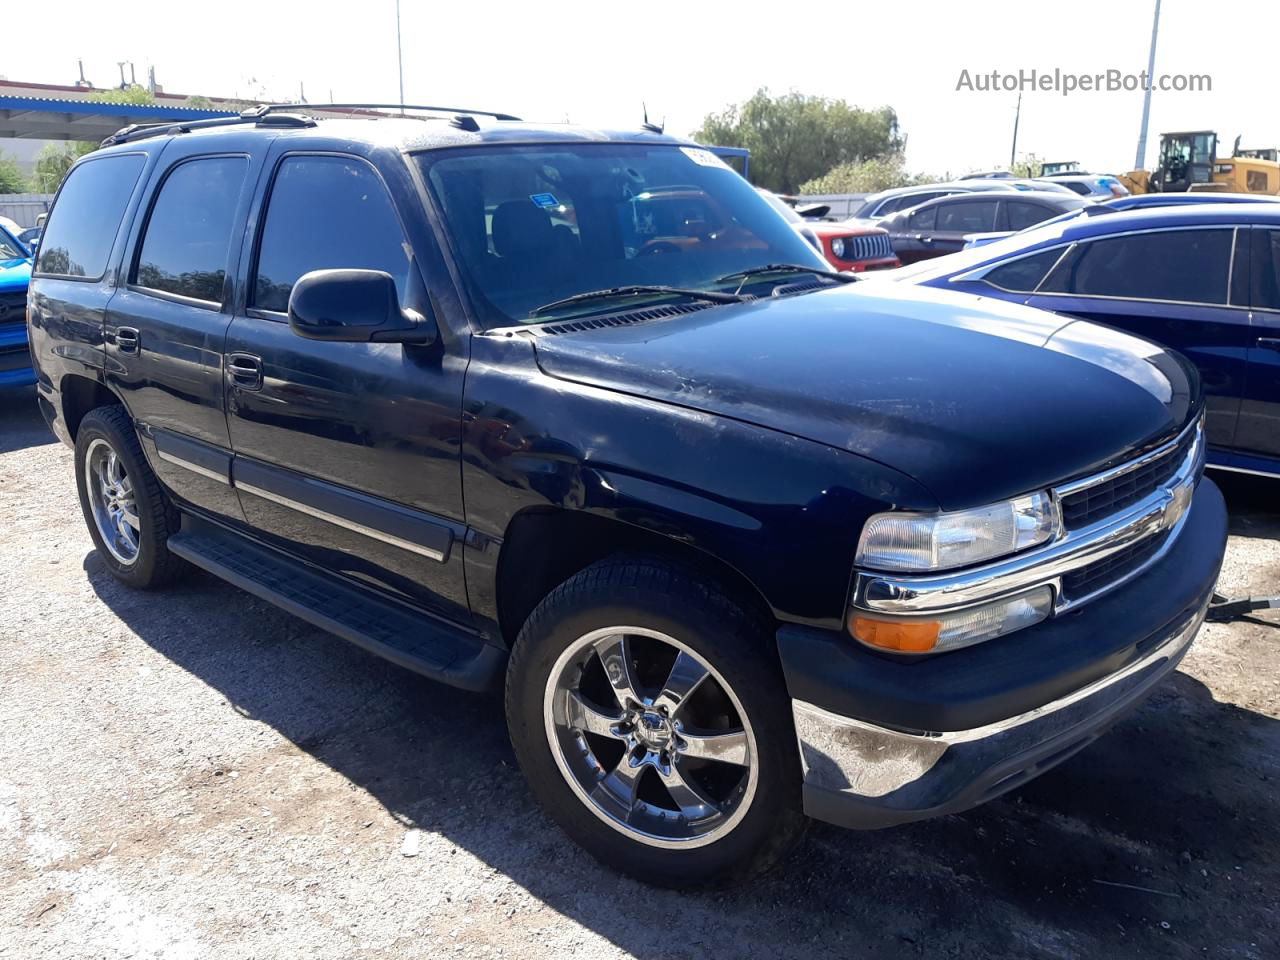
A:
x,y
544,200
703,158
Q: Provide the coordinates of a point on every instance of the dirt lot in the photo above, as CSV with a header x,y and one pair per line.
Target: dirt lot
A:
x,y
195,774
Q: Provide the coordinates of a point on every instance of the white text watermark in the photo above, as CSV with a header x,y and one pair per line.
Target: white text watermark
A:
x,y
1064,82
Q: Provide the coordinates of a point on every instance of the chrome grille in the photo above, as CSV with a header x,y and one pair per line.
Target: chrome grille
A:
x,y
1094,501
1092,577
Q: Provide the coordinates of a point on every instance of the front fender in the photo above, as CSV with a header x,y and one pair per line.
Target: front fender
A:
x,y
783,511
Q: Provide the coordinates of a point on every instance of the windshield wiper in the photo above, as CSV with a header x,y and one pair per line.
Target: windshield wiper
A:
x,y
608,293
787,268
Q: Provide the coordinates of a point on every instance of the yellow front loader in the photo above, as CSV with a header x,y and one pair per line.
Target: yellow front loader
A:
x,y
1189,162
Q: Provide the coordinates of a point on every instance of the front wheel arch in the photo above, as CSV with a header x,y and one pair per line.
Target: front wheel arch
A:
x,y
545,547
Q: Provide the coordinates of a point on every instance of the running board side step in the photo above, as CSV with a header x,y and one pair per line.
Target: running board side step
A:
x,y
415,641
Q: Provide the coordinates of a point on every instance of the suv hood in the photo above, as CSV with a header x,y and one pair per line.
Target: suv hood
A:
x,y
975,398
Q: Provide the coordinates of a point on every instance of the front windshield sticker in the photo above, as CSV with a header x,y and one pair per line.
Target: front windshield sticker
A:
x,y
544,200
704,158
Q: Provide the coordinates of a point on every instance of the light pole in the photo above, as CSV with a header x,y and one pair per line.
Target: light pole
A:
x,y
1141,162
1013,151
400,57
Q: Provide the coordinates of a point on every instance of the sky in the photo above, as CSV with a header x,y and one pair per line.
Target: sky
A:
x,y
596,63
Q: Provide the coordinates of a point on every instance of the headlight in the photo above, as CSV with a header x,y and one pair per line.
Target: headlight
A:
x,y
950,631
837,247
918,542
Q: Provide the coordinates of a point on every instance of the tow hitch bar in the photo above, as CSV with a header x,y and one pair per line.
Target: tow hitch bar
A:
x,y
1223,609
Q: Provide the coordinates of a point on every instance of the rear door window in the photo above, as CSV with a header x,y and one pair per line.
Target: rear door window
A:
x,y
1184,266
188,234
972,216
82,227
1021,214
923,219
326,213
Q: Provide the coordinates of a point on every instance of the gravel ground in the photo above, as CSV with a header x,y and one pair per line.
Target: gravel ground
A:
x,y
195,774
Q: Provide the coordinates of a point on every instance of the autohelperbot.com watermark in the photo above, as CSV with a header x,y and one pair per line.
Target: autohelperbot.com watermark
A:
x,y
1067,82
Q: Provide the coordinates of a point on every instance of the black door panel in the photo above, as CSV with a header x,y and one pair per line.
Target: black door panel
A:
x,y
165,329
347,454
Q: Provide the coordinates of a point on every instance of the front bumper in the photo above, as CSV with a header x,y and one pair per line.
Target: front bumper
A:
x,y
885,741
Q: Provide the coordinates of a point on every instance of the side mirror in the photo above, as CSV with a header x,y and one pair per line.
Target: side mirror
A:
x,y
354,306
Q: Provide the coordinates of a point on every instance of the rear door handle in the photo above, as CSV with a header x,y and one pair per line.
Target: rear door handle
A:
x,y
1269,343
127,339
245,370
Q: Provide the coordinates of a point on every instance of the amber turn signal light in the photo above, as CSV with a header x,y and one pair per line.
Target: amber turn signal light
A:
x,y
904,636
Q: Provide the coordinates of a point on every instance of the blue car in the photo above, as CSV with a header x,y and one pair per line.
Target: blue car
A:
x,y
15,275
1144,201
1203,278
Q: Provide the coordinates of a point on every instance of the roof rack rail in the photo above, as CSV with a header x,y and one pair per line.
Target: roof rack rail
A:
x,y
273,107
141,131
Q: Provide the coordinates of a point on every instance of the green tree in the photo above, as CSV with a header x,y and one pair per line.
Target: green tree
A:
x,y
795,137
865,176
53,162
132,94
11,178
1029,166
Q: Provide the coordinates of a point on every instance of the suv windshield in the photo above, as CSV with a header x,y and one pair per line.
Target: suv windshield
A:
x,y
532,225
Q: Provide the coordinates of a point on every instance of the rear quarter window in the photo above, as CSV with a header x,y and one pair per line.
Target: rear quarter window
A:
x,y
1023,276
82,227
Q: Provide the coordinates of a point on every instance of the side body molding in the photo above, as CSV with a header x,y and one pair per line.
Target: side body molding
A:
x,y
345,508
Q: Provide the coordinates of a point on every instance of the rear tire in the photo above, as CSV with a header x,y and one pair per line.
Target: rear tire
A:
x,y
129,516
681,768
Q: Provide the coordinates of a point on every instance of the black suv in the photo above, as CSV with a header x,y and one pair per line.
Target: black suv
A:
x,y
578,413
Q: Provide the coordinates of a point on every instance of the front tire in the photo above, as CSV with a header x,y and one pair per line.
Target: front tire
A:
x,y
128,514
649,715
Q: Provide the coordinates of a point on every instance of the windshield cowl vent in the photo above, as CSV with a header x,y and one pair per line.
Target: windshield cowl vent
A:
x,y
618,319
801,286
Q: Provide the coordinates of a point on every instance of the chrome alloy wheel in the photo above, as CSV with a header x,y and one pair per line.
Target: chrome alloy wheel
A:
x,y
112,501
650,737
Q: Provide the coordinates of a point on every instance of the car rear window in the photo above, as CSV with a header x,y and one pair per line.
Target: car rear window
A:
x,y
78,237
1183,266
188,235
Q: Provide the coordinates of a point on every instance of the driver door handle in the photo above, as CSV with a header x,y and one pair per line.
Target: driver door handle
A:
x,y
127,339
1269,343
245,370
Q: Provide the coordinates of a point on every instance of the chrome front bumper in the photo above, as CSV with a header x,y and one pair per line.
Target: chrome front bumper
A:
x,y
860,775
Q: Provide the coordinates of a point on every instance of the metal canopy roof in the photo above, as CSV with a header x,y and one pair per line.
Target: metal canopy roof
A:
x,y
39,118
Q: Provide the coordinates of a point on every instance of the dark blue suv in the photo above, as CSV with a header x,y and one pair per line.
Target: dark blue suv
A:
x,y
577,415
1202,278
